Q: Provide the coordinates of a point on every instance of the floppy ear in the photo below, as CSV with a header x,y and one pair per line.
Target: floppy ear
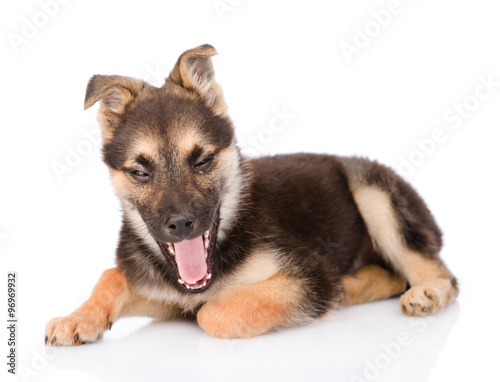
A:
x,y
195,73
115,93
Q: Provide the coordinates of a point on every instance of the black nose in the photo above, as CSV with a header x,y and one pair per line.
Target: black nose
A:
x,y
180,225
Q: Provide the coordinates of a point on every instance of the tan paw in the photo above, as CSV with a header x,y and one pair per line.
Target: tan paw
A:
x,y
251,310
226,321
421,301
76,329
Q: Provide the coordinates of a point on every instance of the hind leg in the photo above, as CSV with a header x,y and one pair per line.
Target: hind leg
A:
x,y
371,283
432,285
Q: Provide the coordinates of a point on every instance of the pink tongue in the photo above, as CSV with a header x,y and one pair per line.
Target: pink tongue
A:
x,y
190,259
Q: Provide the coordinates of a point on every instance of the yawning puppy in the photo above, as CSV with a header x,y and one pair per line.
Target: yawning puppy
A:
x,y
234,242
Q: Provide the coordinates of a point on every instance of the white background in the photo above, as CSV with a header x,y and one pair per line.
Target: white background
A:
x,y
60,234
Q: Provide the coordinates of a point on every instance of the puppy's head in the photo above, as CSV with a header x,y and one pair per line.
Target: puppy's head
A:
x,y
173,161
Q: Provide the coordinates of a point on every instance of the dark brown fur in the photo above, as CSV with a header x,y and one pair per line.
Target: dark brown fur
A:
x,y
293,235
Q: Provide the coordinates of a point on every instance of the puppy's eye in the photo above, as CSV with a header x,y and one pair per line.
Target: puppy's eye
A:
x,y
204,163
140,175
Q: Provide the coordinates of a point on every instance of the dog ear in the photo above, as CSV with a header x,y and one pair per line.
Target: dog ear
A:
x,y
115,93
194,72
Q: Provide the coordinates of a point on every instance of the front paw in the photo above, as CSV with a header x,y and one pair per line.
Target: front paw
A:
x,y
76,329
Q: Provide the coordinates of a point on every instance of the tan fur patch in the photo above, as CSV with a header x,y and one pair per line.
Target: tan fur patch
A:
x,y
251,310
371,283
377,211
120,183
140,306
145,146
188,137
169,296
261,265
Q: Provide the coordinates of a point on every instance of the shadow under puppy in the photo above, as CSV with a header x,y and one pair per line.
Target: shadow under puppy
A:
x,y
239,243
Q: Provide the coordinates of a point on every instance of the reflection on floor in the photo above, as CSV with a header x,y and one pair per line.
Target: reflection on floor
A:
x,y
362,343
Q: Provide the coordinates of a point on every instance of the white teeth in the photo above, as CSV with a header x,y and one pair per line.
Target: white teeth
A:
x,y
171,248
196,286
207,242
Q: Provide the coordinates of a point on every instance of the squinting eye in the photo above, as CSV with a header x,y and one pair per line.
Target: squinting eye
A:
x,y
139,174
204,163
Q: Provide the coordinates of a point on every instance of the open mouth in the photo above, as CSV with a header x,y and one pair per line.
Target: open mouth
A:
x,y
192,260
